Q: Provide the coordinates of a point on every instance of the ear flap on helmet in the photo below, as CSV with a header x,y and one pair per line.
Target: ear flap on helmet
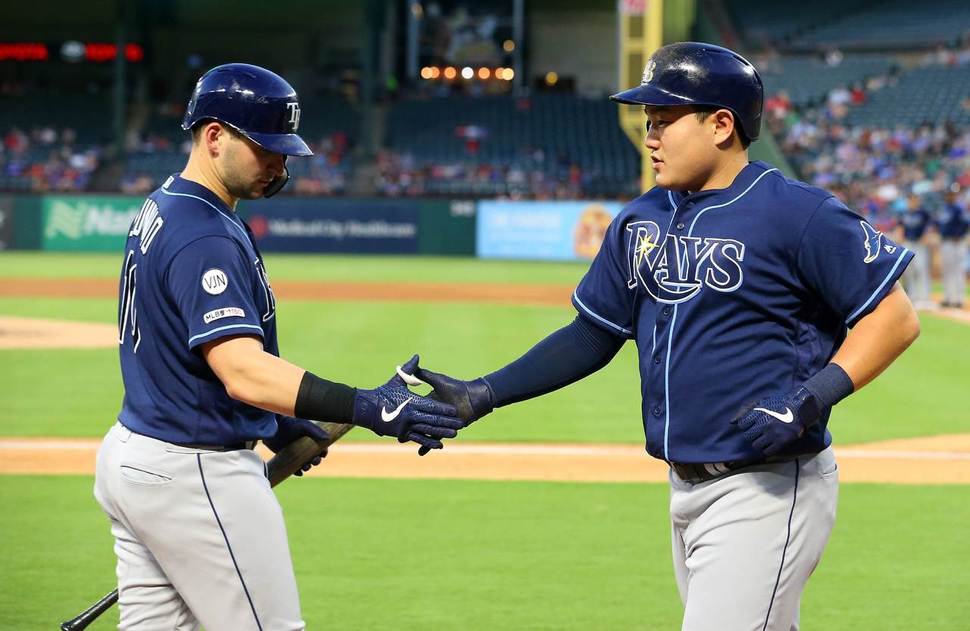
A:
x,y
277,183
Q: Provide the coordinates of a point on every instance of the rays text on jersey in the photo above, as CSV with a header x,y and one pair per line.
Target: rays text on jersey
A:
x,y
675,268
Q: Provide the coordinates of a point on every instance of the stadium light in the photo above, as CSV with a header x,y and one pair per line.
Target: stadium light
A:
x,y
508,46
426,73
484,73
552,78
467,73
450,73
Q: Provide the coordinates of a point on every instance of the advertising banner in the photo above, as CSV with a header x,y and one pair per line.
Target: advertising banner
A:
x,y
334,225
6,221
539,230
87,222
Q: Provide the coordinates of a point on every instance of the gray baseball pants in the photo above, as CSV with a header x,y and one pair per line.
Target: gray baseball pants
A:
x,y
744,544
199,537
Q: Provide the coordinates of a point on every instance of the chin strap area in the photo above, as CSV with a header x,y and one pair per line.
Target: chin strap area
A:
x,y
277,183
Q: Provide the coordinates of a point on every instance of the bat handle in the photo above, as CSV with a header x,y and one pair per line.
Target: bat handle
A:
x,y
86,617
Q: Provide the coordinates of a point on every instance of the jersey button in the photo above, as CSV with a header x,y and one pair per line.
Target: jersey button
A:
x,y
680,225
657,410
657,359
666,311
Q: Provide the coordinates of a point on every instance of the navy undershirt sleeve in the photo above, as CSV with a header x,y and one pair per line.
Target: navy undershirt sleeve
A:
x,y
567,355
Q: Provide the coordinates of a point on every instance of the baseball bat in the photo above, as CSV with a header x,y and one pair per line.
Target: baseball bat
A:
x,y
285,463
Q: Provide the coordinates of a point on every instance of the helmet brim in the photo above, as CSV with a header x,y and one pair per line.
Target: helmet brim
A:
x,y
647,94
286,144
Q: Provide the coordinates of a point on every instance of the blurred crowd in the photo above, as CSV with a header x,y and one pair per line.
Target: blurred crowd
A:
x,y
910,181
45,159
531,176
326,172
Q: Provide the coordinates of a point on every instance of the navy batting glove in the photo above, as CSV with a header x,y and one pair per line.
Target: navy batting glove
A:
x,y
776,422
473,399
393,410
289,429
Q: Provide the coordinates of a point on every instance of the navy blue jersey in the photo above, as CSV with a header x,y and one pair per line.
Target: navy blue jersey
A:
x,y
733,295
952,222
914,223
191,275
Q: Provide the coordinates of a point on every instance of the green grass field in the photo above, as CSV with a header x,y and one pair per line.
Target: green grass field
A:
x,y
505,555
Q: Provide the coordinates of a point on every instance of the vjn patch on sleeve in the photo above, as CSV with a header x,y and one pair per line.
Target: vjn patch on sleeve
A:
x,y
214,281
225,312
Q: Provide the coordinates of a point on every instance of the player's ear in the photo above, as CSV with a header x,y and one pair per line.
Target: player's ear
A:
x,y
213,135
723,123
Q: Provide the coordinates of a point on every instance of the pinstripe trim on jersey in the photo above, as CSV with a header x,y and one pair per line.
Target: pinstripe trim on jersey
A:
x,y
855,313
673,319
784,552
213,206
198,458
223,328
601,318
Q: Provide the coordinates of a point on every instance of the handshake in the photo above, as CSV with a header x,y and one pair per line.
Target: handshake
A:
x,y
393,410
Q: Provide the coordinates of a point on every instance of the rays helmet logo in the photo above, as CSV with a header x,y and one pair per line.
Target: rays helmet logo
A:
x,y
674,269
648,72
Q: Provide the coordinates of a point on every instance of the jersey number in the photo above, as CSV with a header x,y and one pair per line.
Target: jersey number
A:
x,y
127,312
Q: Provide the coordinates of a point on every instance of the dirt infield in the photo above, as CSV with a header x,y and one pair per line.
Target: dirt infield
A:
x,y
935,460
533,295
44,333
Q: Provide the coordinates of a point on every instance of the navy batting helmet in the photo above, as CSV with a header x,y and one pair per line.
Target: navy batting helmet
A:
x,y
257,103
694,73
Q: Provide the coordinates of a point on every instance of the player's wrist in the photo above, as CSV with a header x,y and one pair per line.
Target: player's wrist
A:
x,y
830,385
322,400
481,397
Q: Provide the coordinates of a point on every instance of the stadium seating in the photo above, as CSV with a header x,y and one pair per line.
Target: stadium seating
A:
x,y
808,79
546,132
896,24
931,94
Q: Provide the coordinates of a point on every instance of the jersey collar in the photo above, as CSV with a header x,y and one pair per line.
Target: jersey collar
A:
x,y
178,184
741,182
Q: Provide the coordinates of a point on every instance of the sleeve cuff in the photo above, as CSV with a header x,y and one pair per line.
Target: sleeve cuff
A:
x,y
884,288
224,331
599,320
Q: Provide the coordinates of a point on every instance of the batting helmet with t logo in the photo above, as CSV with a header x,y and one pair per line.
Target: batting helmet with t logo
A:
x,y
694,73
257,103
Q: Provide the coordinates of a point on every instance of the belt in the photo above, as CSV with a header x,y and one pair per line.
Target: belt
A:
x,y
697,472
249,444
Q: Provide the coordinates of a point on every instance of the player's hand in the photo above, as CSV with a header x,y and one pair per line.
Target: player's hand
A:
x,y
289,429
393,410
472,399
776,422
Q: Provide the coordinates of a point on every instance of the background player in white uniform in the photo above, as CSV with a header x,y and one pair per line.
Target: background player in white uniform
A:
x,y
199,535
738,286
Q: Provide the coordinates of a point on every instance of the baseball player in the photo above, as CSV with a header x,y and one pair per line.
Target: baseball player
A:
x,y
953,223
738,286
913,225
199,535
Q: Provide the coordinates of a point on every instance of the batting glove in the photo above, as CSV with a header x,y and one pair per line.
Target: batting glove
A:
x,y
393,410
776,422
473,399
289,429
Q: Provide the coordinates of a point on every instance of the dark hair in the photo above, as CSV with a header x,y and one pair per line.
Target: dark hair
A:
x,y
205,121
703,112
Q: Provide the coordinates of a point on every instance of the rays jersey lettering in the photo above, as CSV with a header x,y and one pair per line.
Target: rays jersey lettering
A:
x,y
675,269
